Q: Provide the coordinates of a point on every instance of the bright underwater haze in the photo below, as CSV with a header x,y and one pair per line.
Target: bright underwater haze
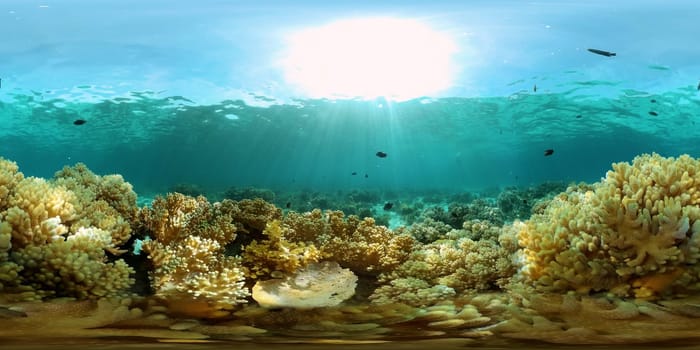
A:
x,y
176,92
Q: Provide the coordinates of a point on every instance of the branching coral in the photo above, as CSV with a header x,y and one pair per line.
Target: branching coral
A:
x,y
48,247
358,244
175,217
637,232
444,268
276,254
108,202
187,252
365,247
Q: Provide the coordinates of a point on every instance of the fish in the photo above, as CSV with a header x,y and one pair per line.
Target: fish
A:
x,y
653,100
289,204
381,154
354,173
534,88
579,116
79,122
388,206
366,176
698,86
602,52
548,152
653,113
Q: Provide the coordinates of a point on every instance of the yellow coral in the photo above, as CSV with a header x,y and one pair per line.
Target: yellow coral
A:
x,y
9,178
195,272
641,221
276,254
187,251
177,216
365,247
447,267
58,238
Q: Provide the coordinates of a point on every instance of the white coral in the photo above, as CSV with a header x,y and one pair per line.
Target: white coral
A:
x,y
317,285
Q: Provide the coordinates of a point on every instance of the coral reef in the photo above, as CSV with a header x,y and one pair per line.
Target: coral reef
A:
x,y
457,213
190,269
358,244
636,233
54,239
520,203
276,254
444,268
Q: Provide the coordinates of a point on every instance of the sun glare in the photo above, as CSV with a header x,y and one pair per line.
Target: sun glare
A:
x,y
370,57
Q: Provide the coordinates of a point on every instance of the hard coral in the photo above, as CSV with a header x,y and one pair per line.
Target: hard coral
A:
x,y
358,244
48,244
641,221
450,266
187,251
276,254
108,202
316,285
177,216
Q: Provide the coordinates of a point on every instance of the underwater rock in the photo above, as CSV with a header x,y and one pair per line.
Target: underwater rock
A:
x,y
318,285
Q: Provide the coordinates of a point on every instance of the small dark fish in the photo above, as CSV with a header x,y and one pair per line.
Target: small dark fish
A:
x,y
388,206
548,152
381,154
289,204
534,88
653,100
366,176
354,173
79,122
579,116
653,113
602,53
698,86
524,201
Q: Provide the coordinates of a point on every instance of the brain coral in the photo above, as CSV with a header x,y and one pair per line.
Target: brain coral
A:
x,y
637,232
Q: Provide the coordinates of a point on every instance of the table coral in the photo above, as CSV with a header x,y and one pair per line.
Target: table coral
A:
x,y
636,233
315,285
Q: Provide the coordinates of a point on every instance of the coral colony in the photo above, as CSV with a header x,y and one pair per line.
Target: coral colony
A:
x,y
611,262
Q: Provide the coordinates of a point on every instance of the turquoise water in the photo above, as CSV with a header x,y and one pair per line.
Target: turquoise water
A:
x,y
158,141
174,92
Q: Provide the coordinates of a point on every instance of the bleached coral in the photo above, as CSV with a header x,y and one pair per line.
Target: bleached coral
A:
x,y
637,233
316,285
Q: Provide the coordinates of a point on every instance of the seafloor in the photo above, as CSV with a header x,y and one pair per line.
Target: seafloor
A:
x,y
614,263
